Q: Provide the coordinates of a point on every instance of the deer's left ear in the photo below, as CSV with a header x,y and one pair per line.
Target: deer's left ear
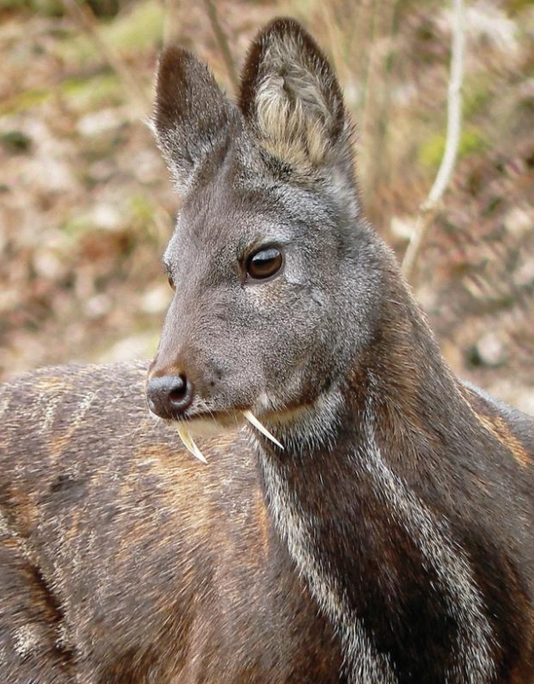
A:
x,y
292,101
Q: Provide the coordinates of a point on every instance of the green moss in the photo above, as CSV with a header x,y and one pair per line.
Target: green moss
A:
x,y
138,30
48,8
91,93
12,4
471,142
476,98
431,151
141,209
56,8
23,101
78,226
82,94
517,6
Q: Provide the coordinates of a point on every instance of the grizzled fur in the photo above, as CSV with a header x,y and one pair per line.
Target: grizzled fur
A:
x,y
391,541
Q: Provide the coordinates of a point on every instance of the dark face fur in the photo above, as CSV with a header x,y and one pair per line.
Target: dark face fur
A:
x,y
274,174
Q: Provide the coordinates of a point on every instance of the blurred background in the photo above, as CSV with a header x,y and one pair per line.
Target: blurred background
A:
x,y
86,206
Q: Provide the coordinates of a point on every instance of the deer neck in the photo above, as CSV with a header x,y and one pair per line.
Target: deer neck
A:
x,y
397,395
350,499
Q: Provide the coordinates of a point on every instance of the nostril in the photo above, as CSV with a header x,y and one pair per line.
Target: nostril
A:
x,y
169,396
178,392
177,395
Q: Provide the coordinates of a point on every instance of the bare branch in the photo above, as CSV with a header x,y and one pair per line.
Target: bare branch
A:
x,y
376,165
172,22
335,41
223,43
431,206
371,66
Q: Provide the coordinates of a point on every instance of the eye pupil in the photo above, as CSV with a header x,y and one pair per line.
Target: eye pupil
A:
x,y
264,263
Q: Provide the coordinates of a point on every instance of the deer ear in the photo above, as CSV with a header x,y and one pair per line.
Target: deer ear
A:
x,y
192,116
291,99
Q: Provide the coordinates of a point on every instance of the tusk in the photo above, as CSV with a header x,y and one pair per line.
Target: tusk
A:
x,y
189,444
256,423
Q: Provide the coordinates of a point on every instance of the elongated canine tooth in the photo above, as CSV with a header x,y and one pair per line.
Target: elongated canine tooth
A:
x,y
254,421
189,444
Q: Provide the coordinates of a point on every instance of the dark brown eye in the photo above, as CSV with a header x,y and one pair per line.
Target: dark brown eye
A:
x,y
264,264
171,282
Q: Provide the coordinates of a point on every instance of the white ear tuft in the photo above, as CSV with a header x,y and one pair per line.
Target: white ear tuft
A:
x,y
291,98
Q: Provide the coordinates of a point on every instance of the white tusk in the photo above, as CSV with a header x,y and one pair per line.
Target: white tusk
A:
x,y
189,444
254,421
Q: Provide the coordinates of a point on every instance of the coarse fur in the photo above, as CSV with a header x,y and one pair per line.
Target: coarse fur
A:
x,y
390,540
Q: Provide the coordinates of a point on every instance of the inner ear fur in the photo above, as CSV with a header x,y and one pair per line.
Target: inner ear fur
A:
x,y
192,118
291,98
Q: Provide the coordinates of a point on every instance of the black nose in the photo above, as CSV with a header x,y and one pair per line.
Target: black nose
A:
x,y
169,396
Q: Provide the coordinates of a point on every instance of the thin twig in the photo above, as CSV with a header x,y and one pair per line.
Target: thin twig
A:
x,y
87,22
172,22
370,67
432,204
223,43
377,167
335,41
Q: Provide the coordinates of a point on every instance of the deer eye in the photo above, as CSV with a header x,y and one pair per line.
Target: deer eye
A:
x,y
264,264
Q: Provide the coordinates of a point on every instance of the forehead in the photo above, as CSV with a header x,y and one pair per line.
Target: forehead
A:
x,y
239,207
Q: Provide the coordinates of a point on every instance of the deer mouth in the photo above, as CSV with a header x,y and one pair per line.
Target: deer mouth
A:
x,y
208,424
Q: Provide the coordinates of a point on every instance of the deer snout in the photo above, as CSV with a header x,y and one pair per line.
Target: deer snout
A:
x,y
169,396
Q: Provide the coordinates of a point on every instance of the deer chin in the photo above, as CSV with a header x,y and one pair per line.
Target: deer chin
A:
x,y
208,426
203,426
189,430
211,424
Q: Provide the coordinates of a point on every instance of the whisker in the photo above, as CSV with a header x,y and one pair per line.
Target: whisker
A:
x,y
259,426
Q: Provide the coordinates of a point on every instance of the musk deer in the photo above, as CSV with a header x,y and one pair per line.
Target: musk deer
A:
x,y
364,517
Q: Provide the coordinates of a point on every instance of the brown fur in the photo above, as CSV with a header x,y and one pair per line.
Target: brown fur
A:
x,y
389,540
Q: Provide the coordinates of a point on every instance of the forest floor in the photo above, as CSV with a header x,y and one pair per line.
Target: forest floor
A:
x,y
86,205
